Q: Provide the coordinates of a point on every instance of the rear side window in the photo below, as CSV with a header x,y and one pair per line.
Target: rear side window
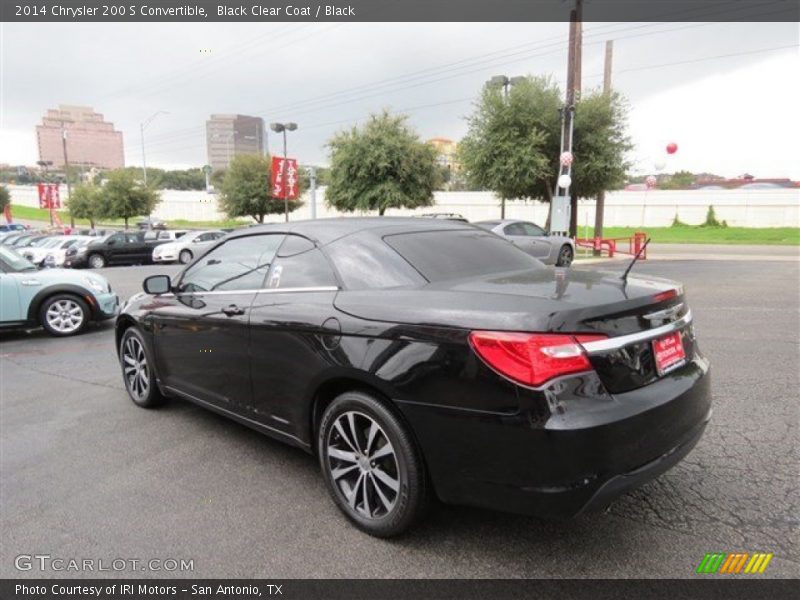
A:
x,y
365,262
454,254
239,264
300,264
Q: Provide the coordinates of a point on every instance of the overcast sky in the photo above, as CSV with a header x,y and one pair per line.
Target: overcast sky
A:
x,y
729,114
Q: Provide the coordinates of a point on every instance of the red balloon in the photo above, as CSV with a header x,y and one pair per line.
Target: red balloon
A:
x,y
672,148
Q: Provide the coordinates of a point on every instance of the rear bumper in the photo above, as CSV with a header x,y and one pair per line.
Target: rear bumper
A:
x,y
590,448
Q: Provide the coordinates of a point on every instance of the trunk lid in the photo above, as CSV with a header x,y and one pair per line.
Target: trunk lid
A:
x,y
544,300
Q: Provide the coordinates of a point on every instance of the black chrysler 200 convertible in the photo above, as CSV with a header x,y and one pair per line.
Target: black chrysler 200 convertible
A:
x,y
422,359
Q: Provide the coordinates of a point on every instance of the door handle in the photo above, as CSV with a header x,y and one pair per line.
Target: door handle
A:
x,y
233,310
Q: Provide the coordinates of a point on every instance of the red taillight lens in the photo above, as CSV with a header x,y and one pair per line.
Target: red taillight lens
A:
x,y
532,358
668,295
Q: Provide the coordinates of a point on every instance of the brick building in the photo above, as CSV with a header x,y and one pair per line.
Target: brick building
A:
x,y
91,141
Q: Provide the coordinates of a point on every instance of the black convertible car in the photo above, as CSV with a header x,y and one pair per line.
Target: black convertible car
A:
x,y
427,358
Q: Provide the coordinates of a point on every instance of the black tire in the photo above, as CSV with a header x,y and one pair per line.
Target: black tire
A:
x,y
140,381
565,256
394,511
185,257
63,315
96,261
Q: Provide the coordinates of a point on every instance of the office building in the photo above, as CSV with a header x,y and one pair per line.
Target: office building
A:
x,y
90,141
229,135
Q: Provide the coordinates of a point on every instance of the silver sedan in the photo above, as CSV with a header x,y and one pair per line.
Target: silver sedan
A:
x,y
550,249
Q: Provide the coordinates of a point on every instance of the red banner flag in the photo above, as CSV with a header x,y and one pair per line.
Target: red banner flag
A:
x,y
49,196
7,213
284,178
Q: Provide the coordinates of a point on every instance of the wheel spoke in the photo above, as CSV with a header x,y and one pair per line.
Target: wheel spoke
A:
x,y
342,471
342,454
352,496
393,484
353,431
373,430
128,359
340,429
365,497
386,503
384,450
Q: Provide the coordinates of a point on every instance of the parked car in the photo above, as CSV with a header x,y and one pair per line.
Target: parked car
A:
x,y
150,223
448,216
187,247
61,301
12,227
121,248
37,252
167,235
56,256
10,237
421,357
556,250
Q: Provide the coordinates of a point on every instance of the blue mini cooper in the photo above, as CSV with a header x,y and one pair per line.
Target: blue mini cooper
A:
x,y
60,300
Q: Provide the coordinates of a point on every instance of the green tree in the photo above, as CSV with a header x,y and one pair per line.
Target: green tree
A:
x,y
126,197
382,165
86,202
600,144
5,197
245,189
512,145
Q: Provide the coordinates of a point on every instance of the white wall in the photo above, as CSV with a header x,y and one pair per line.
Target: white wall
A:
x,y
746,208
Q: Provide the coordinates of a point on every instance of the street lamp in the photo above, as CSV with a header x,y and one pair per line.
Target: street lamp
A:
x,y
283,128
142,126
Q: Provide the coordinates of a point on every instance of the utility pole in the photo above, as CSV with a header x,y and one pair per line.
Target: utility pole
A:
x,y
600,203
66,176
573,91
312,176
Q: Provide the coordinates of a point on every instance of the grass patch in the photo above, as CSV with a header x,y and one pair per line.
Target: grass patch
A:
x,y
30,213
690,234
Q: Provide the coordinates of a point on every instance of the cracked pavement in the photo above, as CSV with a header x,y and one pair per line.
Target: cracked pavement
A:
x,y
84,473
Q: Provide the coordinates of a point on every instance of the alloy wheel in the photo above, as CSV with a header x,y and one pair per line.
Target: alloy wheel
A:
x,y
363,465
65,316
565,257
135,368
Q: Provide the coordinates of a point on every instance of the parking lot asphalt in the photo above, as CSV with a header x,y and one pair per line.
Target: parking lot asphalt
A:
x,y
86,474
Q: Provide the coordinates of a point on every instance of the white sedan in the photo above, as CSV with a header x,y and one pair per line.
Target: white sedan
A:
x,y
187,247
38,251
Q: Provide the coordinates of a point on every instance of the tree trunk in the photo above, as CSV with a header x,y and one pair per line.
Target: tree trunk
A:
x,y
381,210
126,223
598,217
573,215
91,223
549,207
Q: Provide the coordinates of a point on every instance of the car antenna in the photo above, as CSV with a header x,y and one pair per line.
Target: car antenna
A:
x,y
635,258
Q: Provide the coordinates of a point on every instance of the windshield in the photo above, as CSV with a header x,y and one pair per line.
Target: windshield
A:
x,y
14,261
455,254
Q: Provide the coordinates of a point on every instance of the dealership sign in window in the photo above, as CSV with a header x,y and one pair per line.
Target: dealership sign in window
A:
x,y
283,179
49,196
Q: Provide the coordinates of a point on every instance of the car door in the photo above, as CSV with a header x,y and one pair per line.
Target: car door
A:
x,y
541,242
294,334
10,308
200,332
137,249
520,234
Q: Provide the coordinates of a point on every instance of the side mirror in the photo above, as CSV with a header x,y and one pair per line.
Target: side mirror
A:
x,y
112,242
157,284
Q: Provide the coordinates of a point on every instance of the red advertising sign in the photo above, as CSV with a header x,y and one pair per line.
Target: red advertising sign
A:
x,y
283,178
7,213
669,353
49,196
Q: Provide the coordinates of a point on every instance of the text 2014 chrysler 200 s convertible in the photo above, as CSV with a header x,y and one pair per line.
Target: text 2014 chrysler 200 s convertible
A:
x,y
422,359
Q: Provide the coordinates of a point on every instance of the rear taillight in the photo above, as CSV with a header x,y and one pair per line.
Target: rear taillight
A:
x,y
532,358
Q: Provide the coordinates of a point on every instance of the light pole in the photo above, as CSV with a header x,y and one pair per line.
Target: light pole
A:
x,y
142,126
283,128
